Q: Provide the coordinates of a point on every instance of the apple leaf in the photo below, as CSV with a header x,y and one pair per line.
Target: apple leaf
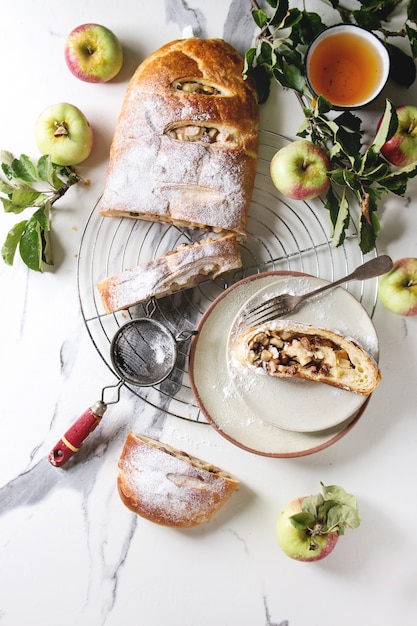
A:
x,y
341,223
12,241
387,128
302,521
333,510
31,185
24,169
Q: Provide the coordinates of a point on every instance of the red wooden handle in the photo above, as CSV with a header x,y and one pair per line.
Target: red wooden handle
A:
x,y
70,443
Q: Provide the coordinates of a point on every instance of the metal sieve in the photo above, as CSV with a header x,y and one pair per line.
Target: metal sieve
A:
x,y
143,352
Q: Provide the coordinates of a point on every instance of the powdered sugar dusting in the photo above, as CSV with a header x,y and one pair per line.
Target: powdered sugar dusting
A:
x,y
169,490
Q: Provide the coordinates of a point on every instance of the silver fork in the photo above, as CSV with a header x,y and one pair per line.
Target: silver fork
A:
x,y
285,303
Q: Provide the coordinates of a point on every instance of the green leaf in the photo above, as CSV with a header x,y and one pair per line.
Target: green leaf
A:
x,y
12,241
343,516
7,170
302,521
323,106
6,157
412,37
42,217
293,17
396,182
262,80
338,494
31,245
10,207
311,504
402,66
412,10
368,233
292,78
260,17
5,187
23,197
341,223
307,28
388,126
45,168
366,19
24,169
280,13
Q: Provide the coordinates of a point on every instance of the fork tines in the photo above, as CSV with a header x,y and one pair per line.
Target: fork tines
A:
x,y
265,312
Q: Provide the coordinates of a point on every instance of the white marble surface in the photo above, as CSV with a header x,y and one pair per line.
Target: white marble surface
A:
x,y
71,553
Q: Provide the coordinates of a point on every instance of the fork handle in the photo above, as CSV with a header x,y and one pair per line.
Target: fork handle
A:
x,y
375,267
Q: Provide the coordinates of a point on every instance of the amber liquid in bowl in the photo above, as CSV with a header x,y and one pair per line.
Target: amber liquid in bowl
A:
x,y
346,69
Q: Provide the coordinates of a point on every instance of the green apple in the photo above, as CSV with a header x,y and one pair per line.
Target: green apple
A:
x,y
93,53
401,149
63,132
308,528
397,289
300,170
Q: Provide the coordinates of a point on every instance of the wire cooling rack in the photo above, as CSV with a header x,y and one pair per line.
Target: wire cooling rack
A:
x,y
282,235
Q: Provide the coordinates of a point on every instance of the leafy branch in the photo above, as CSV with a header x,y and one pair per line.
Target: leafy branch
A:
x,y
24,185
357,171
332,511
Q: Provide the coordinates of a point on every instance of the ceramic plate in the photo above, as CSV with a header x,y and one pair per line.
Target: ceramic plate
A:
x,y
302,405
274,422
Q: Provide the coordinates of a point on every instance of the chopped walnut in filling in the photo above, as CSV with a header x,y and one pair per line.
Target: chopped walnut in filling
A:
x,y
282,352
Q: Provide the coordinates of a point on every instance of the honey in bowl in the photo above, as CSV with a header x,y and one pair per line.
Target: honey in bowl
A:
x,y
347,65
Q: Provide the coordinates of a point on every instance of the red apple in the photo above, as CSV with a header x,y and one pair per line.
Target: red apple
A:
x,y
300,170
401,149
93,53
397,289
309,527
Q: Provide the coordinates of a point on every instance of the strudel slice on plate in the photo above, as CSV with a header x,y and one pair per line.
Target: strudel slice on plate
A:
x,y
290,349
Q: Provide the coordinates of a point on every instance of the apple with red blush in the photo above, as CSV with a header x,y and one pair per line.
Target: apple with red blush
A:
x,y
300,170
401,149
93,53
309,527
397,289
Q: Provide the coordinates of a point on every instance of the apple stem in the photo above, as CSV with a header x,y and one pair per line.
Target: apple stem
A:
x,y
412,126
61,129
314,532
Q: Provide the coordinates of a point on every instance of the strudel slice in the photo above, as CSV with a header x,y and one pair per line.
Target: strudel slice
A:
x,y
179,269
289,349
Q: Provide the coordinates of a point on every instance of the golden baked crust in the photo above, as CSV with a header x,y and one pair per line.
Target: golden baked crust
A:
x,y
179,269
168,486
288,349
185,146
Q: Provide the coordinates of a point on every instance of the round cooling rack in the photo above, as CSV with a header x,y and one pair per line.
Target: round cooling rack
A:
x,y
282,235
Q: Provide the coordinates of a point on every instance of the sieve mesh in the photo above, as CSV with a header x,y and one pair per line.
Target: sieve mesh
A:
x,y
143,352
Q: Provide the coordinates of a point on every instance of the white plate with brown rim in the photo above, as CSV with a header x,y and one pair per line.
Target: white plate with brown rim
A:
x,y
266,415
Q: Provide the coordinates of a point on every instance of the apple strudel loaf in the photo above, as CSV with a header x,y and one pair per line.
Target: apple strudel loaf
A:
x,y
185,147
